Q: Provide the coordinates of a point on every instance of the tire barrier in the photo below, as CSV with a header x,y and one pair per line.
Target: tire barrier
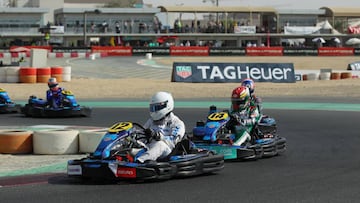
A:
x,y
27,75
57,72
335,76
16,141
313,76
325,76
346,75
330,75
304,77
43,74
56,141
3,74
66,74
12,74
89,139
148,56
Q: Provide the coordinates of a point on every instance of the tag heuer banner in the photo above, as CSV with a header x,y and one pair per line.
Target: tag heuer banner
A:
x,y
233,72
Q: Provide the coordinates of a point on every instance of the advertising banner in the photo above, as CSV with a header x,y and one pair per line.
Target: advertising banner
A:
x,y
112,51
301,30
189,51
336,51
57,29
233,72
356,51
156,51
245,29
227,51
295,51
264,51
71,49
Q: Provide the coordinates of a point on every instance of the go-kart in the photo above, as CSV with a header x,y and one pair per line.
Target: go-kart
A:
x,y
6,104
115,158
235,143
37,107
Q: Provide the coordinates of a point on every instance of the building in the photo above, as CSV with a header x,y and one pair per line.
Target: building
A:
x,y
82,22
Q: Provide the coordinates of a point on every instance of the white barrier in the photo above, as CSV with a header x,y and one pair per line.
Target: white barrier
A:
x,y
66,77
12,74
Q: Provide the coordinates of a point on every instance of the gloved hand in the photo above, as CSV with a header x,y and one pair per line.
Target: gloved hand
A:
x,y
236,117
150,133
157,136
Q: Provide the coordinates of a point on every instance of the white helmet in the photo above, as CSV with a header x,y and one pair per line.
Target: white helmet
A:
x,y
161,104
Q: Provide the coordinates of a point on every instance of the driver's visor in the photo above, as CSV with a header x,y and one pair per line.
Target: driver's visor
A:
x,y
52,85
238,102
158,106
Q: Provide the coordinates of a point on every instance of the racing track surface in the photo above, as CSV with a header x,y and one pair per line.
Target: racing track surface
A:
x,y
321,164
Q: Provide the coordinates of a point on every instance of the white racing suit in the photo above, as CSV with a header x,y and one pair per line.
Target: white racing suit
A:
x,y
171,130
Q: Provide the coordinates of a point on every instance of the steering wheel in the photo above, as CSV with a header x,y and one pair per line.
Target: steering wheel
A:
x,y
138,137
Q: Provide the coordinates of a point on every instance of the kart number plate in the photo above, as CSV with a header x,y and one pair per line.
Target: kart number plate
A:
x,y
74,170
218,116
125,172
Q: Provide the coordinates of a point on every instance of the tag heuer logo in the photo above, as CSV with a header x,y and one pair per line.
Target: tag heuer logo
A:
x,y
183,71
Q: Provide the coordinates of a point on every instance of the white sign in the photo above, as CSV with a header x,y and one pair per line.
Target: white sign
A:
x,y
57,30
245,29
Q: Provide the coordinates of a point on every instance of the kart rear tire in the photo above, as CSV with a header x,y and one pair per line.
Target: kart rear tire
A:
x,y
269,149
280,145
25,110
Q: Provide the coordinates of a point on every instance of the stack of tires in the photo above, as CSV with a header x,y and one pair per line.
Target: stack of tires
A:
x,y
16,74
327,76
50,141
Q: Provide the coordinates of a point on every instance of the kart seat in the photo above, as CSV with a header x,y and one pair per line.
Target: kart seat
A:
x,y
181,148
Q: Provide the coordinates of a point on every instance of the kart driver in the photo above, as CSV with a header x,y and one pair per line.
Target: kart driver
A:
x,y
4,97
54,96
163,126
248,82
243,111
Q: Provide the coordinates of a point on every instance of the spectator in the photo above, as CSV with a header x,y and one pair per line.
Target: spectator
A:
x,y
125,26
117,27
104,26
131,25
92,27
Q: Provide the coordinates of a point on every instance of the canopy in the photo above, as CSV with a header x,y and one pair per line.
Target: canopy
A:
x,y
353,41
19,49
318,40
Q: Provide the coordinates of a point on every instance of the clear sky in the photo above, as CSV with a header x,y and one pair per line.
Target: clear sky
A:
x,y
280,4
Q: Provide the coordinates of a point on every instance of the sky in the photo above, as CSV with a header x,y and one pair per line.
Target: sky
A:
x,y
279,4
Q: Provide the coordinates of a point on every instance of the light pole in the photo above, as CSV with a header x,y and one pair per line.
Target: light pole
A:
x,y
96,11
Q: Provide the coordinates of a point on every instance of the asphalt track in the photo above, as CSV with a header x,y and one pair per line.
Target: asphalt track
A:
x,y
321,163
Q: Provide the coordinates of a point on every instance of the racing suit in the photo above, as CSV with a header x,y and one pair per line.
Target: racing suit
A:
x,y
171,130
241,120
54,98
